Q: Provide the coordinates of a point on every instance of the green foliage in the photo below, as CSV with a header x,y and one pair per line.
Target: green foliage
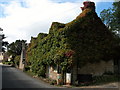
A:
x,y
111,17
107,16
4,43
8,62
27,68
17,60
85,39
53,82
15,48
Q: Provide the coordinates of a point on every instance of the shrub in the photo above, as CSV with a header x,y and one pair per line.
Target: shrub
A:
x,y
27,68
53,82
17,61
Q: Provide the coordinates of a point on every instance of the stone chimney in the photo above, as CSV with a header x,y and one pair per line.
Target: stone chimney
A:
x,y
88,4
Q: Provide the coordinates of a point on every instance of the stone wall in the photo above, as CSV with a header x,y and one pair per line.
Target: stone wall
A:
x,y
97,69
52,73
74,74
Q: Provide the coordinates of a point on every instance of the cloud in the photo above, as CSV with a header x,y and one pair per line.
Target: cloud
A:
x,y
26,18
31,17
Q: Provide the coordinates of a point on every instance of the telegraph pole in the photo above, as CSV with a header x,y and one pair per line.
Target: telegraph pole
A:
x,y
1,38
22,58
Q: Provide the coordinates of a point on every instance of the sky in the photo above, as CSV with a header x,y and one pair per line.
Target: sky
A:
x,y
21,19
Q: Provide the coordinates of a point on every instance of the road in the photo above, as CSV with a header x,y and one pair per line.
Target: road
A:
x,y
11,78
14,78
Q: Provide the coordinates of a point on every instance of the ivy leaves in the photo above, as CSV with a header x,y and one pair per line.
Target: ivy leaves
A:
x,y
85,39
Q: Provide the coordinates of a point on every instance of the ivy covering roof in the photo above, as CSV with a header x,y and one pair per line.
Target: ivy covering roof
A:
x,y
85,39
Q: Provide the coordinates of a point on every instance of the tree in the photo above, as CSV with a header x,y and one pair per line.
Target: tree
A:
x,y
4,45
107,16
111,17
116,13
15,48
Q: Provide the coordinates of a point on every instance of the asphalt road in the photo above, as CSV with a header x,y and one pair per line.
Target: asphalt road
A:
x,y
14,78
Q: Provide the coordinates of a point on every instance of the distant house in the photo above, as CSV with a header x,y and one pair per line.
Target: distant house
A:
x,y
1,55
4,56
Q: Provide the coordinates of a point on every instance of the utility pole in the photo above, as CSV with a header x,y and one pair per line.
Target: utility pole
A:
x,y
22,58
1,38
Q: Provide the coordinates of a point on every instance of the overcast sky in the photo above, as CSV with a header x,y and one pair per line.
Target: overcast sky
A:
x,y
21,19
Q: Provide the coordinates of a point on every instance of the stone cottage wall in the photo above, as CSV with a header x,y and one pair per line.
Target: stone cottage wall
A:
x,y
97,69
74,74
52,74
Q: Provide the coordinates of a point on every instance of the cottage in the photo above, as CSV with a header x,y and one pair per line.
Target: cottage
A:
x,y
75,51
88,39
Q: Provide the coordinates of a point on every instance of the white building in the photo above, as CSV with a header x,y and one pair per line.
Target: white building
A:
x,y
1,55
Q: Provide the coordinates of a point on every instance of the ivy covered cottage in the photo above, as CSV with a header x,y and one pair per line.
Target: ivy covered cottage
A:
x,y
75,51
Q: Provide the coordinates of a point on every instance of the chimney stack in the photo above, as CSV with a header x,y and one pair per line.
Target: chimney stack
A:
x,y
88,4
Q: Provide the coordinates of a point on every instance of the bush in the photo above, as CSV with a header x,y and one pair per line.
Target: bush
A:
x,y
27,68
8,62
17,60
41,71
53,82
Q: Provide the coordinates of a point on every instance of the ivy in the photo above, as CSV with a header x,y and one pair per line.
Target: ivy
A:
x,y
85,39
